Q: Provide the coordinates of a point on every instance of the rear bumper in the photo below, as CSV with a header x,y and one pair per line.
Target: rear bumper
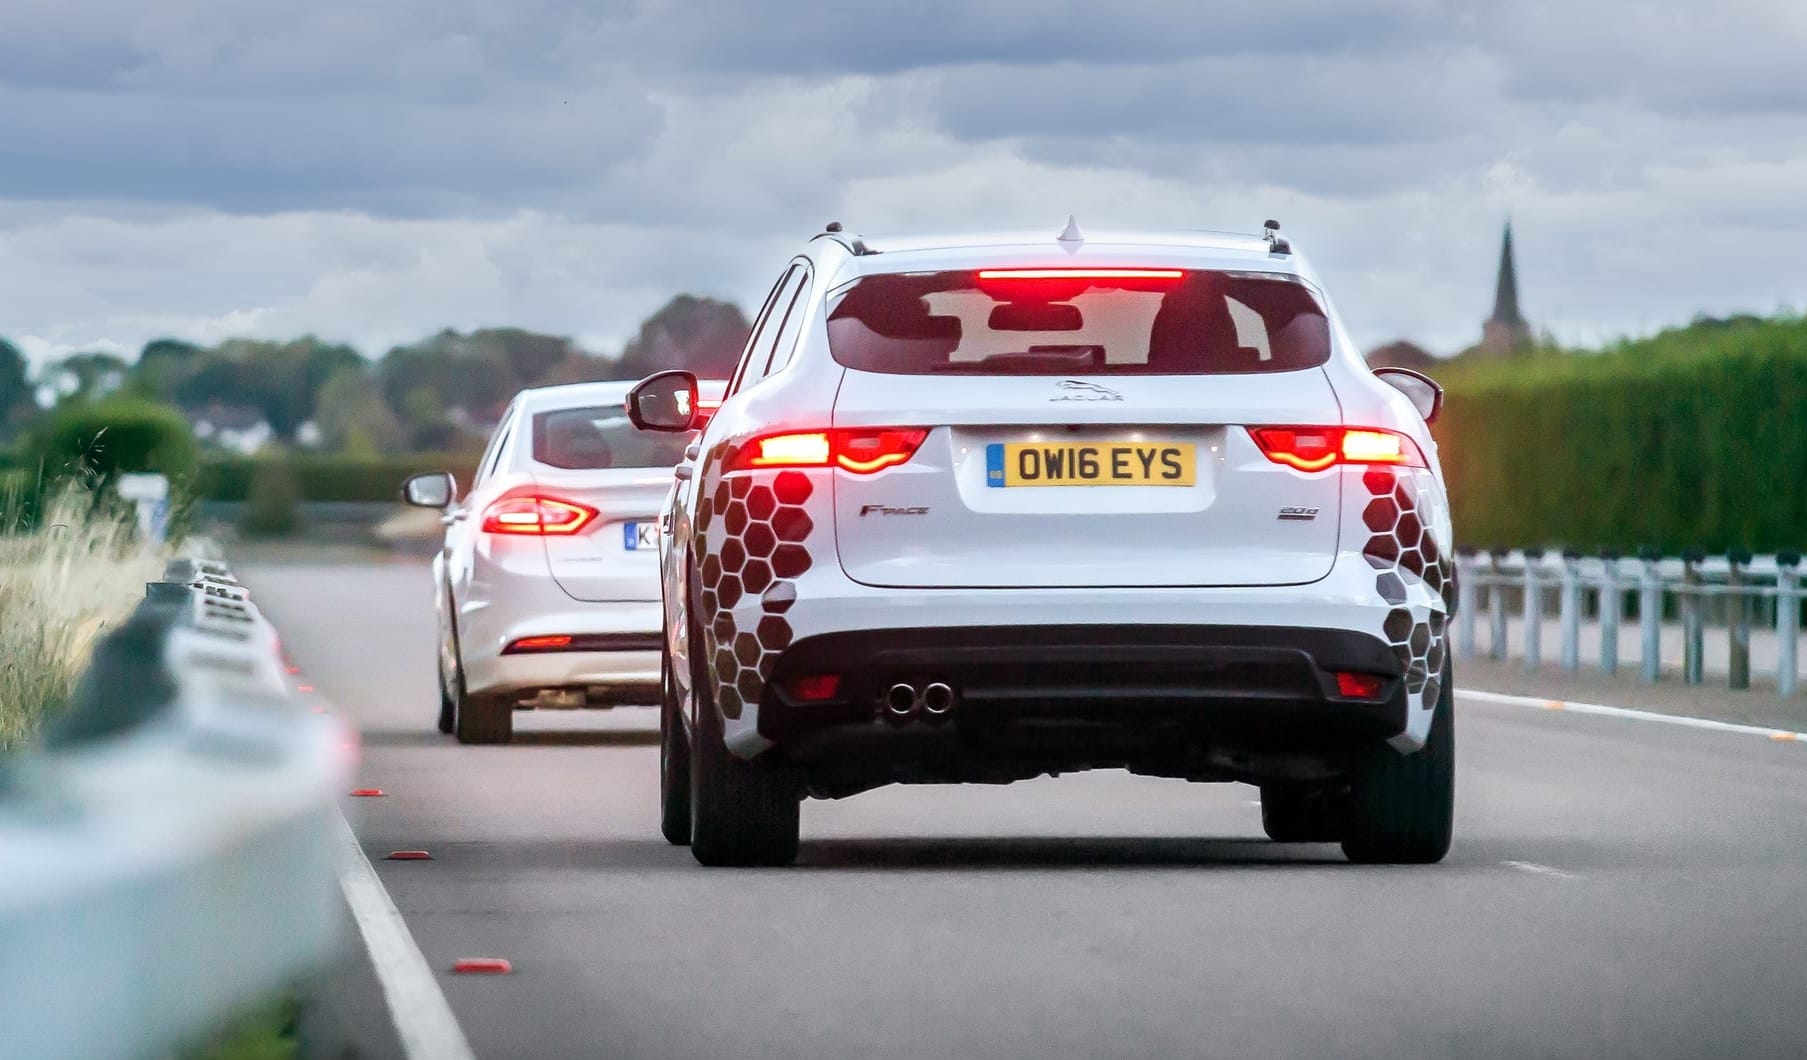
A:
x,y
1129,690
630,630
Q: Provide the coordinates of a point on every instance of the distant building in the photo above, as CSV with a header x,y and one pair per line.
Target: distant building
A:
x,y
1506,332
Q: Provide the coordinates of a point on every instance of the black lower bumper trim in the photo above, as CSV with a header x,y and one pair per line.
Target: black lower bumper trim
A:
x,y
1247,685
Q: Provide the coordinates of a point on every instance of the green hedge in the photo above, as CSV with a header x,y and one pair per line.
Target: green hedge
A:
x,y
1696,438
324,477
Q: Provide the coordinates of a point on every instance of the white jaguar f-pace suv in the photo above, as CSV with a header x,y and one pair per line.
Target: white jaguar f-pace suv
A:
x,y
984,508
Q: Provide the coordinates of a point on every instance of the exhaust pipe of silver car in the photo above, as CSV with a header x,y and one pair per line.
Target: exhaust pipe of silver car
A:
x,y
938,699
900,701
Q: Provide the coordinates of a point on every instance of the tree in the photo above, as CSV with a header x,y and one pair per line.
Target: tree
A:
x,y
701,334
1402,354
353,417
281,380
15,387
81,376
164,366
113,435
273,505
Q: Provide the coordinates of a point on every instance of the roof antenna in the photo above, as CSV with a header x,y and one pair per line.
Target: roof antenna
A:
x,y
1071,234
1270,231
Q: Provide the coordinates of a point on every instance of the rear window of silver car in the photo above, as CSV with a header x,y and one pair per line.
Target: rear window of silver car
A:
x,y
601,437
1077,321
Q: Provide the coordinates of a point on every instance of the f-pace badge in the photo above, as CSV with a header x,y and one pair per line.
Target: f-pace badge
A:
x,y
1291,512
885,509
1075,390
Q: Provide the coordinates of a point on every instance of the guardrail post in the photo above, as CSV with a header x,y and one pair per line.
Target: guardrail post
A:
x,y
1496,614
1571,611
1609,612
1467,567
1693,624
1739,664
1650,617
1533,610
1788,619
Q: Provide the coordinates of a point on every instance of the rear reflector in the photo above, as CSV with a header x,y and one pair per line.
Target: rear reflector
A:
x,y
1359,686
861,450
585,642
526,644
537,515
1317,448
813,688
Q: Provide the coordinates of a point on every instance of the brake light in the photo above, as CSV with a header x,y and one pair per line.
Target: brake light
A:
x,y
1316,448
1081,274
537,515
861,450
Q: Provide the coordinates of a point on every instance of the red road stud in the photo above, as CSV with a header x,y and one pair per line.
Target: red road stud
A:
x,y
304,688
367,793
408,855
482,966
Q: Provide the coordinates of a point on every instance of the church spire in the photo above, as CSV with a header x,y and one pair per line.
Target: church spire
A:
x,y
1505,296
1506,331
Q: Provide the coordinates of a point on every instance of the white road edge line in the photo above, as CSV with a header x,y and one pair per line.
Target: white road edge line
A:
x,y
422,1016
1628,713
1538,870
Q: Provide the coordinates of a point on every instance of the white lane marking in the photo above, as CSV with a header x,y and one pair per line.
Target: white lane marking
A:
x,y
423,1018
1779,735
1535,869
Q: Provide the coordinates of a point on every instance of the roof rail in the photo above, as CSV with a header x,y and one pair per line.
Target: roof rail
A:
x,y
835,230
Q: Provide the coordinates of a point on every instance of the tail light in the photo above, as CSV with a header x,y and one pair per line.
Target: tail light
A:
x,y
861,450
1316,448
537,515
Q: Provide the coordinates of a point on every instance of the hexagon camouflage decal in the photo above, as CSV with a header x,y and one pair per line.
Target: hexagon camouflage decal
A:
x,y
751,536
1400,547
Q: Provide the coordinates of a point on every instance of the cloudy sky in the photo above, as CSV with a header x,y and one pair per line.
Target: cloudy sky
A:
x,y
373,170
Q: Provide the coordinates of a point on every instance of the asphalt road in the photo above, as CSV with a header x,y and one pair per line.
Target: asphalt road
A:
x,y
1616,889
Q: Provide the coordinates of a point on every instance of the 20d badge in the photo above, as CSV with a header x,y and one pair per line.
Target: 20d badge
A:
x,y
1091,464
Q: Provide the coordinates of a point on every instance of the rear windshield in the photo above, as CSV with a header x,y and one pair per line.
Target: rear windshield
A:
x,y
601,437
1001,322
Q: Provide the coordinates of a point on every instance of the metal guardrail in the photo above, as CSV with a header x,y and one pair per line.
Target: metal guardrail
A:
x,y
169,856
1735,586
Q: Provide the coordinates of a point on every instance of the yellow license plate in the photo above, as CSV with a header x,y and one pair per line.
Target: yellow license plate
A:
x,y
1090,464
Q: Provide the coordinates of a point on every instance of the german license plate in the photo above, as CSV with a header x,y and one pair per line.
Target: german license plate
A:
x,y
1091,464
640,534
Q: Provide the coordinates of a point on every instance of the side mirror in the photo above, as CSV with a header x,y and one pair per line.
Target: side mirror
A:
x,y
1425,395
664,401
434,489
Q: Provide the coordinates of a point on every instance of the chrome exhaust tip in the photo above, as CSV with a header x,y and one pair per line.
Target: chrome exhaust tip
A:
x,y
900,700
938,699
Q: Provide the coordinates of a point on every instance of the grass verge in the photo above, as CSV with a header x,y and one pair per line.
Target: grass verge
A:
x,y
63,583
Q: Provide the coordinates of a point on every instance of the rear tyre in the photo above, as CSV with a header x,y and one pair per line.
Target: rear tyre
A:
x,y
1293,814
674,763
1402,807
741,813
448,710
485,719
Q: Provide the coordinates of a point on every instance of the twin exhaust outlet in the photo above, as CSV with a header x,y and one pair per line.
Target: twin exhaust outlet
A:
x,y
933,700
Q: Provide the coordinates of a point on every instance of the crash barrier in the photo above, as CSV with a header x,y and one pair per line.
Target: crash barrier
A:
x,y
168,856
1738,590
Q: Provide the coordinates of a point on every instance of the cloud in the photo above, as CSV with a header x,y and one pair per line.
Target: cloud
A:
x,y
372,172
